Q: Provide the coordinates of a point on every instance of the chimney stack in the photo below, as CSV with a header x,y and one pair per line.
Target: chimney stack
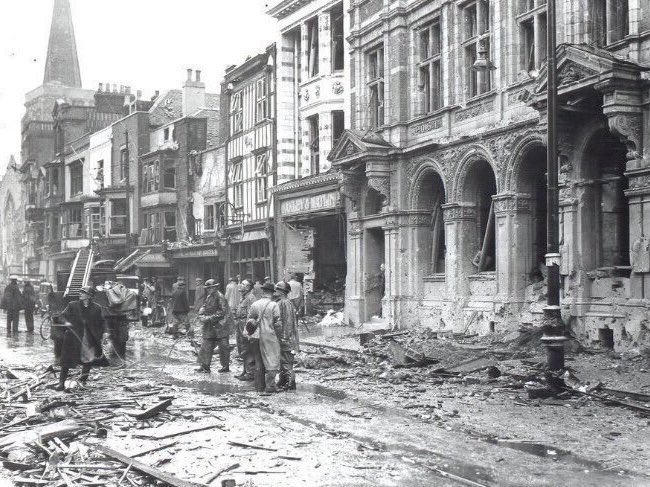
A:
x,y
193,93
101,87
138,94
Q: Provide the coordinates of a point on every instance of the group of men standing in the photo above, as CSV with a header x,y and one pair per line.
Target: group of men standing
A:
x,y
13,301
266,328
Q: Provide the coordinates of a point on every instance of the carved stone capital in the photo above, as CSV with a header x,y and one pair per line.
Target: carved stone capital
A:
x,y
459,212
381,184
638,182
628,127
509,203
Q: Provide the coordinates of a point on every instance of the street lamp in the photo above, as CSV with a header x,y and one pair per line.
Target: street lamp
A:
x,y
553,329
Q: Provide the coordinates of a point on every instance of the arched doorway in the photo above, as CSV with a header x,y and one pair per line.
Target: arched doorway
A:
x,y
531,183
604,212
479,188
430,239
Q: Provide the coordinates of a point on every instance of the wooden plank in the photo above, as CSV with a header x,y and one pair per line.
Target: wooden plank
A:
x,y
151,412
248,445
177,433
143,468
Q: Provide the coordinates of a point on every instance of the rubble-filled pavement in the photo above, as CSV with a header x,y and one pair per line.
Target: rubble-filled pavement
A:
x,y
412,407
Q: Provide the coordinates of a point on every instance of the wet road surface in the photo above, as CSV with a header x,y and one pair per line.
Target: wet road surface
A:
x,y
355,442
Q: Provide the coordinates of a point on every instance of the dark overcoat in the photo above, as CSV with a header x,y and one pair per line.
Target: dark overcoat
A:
x,y
82,341
12,299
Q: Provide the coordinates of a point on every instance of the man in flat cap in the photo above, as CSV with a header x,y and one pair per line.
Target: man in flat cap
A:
x,y
12,303
216,322
84,331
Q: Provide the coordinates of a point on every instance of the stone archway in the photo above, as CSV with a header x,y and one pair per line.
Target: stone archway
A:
x,y
604,212
476,189
427,200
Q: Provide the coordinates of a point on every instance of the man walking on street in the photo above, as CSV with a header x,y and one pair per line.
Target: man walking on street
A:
x,y
289,340
29,298
180,307
12,303
233,296
243,345
84,331
263,328
215,319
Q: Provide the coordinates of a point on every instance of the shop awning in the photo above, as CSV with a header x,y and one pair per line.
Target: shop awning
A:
x,y
153,259
129,261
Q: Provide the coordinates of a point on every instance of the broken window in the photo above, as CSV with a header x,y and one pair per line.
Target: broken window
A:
x,y
76,178
208,217
169,175
261,94
532,34
121,175
150,176
261,177
236,113
118,217
169,230
237,182
430,73
74,224
609,21
96,222
476,18
338,126
314,147
431,249
376,86
312,47
338,40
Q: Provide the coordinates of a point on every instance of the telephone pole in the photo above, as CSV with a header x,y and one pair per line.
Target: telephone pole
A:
x,y
128,193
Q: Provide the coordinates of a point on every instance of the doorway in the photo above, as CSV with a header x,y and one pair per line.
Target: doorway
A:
x,y
375,285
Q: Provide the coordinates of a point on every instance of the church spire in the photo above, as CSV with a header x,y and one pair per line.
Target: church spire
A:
x,y
62,63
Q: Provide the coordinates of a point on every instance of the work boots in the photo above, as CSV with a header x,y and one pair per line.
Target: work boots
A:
x,y
270,381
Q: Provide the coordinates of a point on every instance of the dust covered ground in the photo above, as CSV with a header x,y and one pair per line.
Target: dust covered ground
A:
x,y
413,409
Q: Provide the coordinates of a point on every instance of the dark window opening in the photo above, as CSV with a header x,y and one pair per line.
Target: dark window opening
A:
x,y
338,40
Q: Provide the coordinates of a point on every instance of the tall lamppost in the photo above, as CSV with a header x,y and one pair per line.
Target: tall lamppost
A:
x,y
554,331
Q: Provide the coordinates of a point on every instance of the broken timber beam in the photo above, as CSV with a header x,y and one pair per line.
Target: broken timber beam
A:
x,y
143,468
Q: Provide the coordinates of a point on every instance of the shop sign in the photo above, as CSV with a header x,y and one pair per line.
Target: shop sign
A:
x,y
196,253
309,203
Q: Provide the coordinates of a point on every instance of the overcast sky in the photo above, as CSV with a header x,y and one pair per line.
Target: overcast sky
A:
x,y
146,44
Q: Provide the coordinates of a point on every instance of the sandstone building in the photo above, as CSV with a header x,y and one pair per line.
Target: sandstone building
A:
x,y
443,170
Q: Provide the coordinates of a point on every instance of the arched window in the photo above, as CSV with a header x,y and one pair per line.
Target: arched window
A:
x,y
431,244
480,186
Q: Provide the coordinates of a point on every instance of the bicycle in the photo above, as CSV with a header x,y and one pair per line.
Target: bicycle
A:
x,y
45,329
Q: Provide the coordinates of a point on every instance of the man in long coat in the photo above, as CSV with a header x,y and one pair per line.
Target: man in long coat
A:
x,y
216,321
243,345
29,298
289,339
84,331
233,296
263,328
12,303
180,306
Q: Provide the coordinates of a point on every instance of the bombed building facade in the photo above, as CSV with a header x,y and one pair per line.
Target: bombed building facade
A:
x,y
443,170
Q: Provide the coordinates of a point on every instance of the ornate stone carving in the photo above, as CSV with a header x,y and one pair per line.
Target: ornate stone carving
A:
x,y
422,219
511,203
350,186
628,127
474,111
317,91
337,88
458,212
305,96
381,184
571,72
426,126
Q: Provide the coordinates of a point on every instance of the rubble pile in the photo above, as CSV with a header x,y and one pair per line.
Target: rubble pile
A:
x,y
409,363
60,439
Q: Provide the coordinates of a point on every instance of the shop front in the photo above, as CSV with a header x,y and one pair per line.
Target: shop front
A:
x,y
200,261
310,231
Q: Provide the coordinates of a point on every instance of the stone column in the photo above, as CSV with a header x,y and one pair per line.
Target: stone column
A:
x,y
304,47
354,282
638,196
461,234
514,244
392,263
418,258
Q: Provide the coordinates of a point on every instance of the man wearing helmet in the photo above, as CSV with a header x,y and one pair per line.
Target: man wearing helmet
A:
x,y
216,320
243,345
289,340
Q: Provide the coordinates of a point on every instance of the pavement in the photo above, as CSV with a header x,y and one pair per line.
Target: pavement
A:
x,y
320,435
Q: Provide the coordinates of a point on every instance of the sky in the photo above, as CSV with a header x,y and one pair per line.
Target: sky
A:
x,y
145,44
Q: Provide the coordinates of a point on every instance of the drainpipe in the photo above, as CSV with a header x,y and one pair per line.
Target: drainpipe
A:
x,y
553,329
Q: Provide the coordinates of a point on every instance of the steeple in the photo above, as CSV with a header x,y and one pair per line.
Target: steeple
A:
x,y
62,63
